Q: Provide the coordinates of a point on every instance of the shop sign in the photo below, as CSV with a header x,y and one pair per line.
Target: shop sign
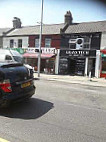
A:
x,y
78,53
103,55
43,50
48,50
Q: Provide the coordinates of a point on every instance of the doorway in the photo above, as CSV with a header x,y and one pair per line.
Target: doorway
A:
x,y
91,66
72,65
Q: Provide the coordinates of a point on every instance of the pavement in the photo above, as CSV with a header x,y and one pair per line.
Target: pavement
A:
x,y
73,79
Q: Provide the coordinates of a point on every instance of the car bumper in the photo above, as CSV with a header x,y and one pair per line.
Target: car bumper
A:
x,y
21,95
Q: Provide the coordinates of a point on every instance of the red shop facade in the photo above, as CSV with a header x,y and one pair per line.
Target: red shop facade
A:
x,y
103,64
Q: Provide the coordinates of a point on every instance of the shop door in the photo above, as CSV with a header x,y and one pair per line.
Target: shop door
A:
x,y
72,64
80,66
91,66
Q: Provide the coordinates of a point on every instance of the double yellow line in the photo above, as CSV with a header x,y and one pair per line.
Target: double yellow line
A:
x,y
3,140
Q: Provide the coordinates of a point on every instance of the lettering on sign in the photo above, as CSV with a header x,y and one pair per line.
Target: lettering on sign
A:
x,y
77,53
43,50
31,50
48,50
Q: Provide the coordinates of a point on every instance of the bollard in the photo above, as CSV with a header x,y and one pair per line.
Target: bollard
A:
x,y
90,76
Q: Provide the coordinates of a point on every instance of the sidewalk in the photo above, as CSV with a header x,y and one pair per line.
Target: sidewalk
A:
x,y
73,79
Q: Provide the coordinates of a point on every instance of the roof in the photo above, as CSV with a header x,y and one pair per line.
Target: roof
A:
x,y
87,27
35,30
2,30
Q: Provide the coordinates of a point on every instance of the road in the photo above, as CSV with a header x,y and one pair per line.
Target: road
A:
x,y
58,112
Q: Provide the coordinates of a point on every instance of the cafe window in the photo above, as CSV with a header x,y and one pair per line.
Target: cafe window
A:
x,y
47,42
11,43
19,43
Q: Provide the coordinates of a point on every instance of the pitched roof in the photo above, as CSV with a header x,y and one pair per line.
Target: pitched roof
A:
x,y
35,30
2,30
87,27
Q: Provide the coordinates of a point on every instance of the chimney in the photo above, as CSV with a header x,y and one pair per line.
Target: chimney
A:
x,y
16,23
68,18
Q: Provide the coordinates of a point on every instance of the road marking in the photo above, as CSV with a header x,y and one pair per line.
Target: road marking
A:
x,y
3,140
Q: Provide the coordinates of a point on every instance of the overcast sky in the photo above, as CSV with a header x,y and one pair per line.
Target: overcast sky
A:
x,y
29,11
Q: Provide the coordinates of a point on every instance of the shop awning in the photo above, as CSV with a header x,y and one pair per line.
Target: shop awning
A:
x,y
35,55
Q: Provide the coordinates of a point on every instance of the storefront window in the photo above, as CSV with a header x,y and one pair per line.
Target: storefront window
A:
x,y
104,65
50,66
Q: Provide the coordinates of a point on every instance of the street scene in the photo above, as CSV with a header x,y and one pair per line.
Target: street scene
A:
x,y
52,71
59,111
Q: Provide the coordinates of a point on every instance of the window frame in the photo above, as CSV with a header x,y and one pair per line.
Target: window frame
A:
x,y
48,42
37,43
11,43
19,43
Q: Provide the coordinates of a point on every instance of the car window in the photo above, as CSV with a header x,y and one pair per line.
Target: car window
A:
x,y
15,53
8,57
18,59
3,54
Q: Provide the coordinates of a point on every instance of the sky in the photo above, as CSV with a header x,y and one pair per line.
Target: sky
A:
x,y
29,11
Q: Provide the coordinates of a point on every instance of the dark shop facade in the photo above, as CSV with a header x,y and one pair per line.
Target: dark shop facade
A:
x,y
79,54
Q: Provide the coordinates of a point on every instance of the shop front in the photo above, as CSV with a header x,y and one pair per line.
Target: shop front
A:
x,y
48,59
103,63
77,62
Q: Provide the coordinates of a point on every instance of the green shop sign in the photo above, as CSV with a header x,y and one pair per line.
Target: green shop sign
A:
x,y
20,50
103,55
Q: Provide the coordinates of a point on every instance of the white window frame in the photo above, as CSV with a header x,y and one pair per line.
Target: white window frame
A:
x,y
19,43
37,43
47,42
11,43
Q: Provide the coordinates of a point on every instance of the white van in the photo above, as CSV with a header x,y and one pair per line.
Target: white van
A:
x,y
12,55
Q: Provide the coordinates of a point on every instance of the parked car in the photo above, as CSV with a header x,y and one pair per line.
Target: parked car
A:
x,y
16,80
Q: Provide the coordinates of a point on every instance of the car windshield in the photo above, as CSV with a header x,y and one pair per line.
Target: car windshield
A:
x,y
18,59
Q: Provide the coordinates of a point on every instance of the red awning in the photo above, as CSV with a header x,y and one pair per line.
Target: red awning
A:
x,y
35,55
103,51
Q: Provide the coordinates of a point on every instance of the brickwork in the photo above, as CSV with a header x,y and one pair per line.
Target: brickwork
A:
x,y
55,40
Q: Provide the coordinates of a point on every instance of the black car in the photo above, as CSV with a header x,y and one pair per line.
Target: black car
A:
x,y
16,82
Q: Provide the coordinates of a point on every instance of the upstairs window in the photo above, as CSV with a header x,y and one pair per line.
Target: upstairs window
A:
x,y
37,43
11,43
87,42
19,43
48,42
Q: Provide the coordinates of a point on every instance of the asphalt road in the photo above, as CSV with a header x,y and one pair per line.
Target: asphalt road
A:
x,y
58,112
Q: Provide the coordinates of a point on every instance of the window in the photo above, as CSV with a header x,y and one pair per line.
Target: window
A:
x,y
47,42
87,42
11,43
20,43
103,65
37,43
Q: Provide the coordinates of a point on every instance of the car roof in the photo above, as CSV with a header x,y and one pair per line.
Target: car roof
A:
x,y
10,52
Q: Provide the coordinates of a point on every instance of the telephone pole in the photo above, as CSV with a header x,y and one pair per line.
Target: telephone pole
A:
x,y
40,39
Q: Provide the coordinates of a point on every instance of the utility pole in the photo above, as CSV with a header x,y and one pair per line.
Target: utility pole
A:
x,y
40,39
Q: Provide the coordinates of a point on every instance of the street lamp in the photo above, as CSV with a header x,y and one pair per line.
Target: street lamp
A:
x,y
40,39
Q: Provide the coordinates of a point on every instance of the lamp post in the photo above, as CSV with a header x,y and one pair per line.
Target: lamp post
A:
x,y
40,39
